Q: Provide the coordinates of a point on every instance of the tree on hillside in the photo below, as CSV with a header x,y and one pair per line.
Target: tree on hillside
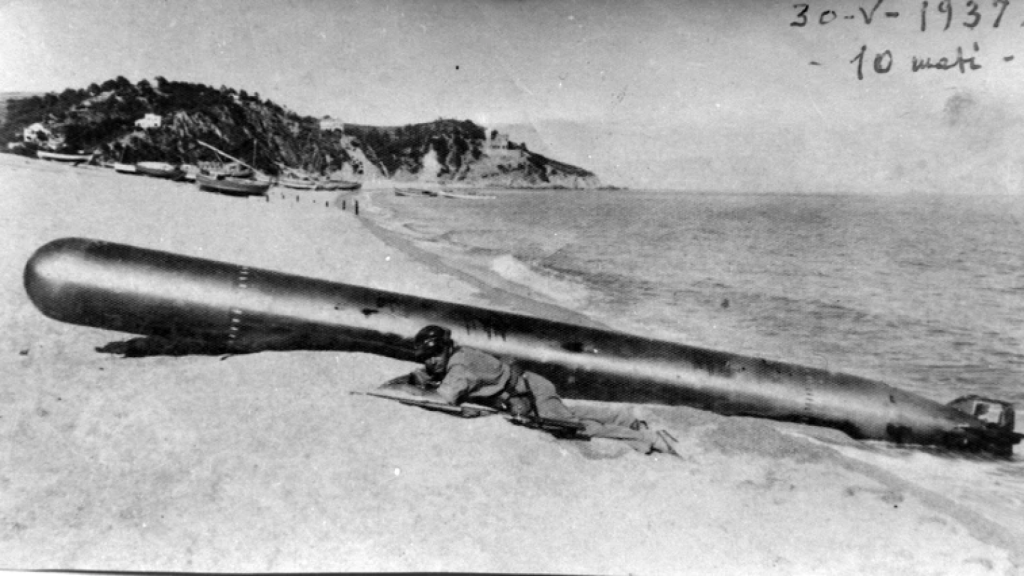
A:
x,y
145,88
69,97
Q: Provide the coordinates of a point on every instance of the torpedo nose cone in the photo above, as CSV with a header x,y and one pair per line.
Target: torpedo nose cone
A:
x,y
50,276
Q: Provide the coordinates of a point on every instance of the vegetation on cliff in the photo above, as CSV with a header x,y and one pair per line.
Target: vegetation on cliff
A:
x,y
104,118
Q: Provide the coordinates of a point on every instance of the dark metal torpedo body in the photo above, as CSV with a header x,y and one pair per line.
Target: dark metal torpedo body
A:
x,y
234,308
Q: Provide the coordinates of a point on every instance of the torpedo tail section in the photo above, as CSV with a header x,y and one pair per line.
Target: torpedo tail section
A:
x,y
998,434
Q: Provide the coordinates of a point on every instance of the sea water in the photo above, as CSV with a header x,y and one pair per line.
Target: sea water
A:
x,y
923,292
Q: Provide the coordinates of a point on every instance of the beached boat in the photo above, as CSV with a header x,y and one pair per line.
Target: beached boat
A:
x,y
159,170
231,170
457,196
125,168
235,178
415,192
59,157
339,185
299,182
232,185
190,171
297,179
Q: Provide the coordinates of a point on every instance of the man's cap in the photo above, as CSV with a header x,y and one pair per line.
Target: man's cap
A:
x,y
431,341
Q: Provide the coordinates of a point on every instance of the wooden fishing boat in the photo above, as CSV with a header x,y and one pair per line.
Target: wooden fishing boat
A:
x,y
60,157
190,171
159,170
125,168
235,169
340,185
234,179
299,183
232,185
457,196
297,178
231,170
416,192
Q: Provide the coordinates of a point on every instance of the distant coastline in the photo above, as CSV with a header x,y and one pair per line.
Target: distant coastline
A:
x,y
166,121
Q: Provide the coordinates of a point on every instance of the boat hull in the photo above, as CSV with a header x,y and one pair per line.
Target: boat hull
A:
x,y
298,183
67,158
456,196
232,186
416,192
339,185
235,308
159,170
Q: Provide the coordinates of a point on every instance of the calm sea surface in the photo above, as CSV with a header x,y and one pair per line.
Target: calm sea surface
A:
x,y
923,292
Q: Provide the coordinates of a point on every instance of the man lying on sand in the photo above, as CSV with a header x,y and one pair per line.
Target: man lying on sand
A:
x,y
455,375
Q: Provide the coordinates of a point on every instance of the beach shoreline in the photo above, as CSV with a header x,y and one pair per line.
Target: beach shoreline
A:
x,y
265,462
495,290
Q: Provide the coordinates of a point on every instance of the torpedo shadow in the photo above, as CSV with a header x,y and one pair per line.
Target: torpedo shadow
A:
x,y
146,346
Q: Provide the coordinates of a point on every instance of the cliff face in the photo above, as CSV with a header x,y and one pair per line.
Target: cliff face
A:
x,y
175,116
519,168
450,151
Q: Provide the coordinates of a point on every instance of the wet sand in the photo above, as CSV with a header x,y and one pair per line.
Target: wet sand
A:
x,y
265,462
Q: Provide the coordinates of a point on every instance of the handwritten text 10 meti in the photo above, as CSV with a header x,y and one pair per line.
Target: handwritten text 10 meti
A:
x,y
927,16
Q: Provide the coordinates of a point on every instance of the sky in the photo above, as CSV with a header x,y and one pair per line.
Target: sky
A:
x,y
735,95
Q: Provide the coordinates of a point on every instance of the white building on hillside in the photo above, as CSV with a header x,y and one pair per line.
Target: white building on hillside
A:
x,y
149,121
497,140
37,134
329,123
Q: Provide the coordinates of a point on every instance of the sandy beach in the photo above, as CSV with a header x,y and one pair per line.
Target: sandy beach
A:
x,y
265,462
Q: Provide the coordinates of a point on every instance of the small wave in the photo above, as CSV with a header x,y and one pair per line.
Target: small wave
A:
x,y
563,292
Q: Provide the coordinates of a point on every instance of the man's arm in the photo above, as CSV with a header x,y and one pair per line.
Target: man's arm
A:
x,y
416,383
456,385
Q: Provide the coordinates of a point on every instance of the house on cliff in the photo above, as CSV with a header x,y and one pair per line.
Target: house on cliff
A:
x,y
37,134
149,121
497,141
327,123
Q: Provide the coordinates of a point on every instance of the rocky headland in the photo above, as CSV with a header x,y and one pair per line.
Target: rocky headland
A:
x,y
165,121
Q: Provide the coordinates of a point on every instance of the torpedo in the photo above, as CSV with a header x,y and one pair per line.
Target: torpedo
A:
x,y
233,308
